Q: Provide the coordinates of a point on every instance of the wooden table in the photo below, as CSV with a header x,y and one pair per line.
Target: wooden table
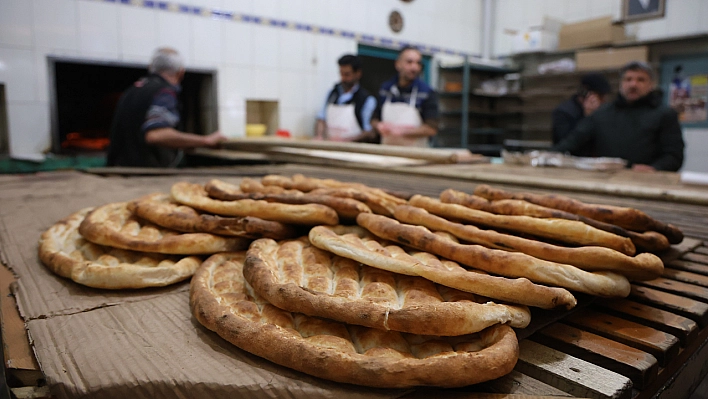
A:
x,y
653,343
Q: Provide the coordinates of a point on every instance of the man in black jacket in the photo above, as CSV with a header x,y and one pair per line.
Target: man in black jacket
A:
x,y
635,127
594,91
143,132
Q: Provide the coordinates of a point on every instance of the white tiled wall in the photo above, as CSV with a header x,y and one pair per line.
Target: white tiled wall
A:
x,y
252,62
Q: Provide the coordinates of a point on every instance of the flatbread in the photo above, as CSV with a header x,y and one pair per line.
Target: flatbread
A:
x,y
115,226
628,218
360,248
567,231
196,196
160,209
346,208
650,240
296,276
65,252
223,302
644,266
509,264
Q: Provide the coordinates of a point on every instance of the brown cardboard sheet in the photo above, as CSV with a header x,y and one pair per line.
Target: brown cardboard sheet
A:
x,y
128,343
156,349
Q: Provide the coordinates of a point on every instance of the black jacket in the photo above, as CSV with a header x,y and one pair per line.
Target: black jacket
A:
x,y
643,132
565,118
128,146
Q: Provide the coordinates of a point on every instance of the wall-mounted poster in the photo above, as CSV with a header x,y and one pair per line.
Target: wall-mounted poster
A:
x,y
633,10
688,95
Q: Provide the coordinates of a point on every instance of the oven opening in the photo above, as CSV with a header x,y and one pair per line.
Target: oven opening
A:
x,y
86,94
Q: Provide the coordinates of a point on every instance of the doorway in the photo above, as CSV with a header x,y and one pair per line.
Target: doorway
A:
x,y
85,95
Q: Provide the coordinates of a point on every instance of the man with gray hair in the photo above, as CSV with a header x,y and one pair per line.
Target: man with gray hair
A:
x,y
143,132
636,126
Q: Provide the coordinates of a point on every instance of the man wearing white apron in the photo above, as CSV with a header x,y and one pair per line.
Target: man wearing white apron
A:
x,y
408,108
346,115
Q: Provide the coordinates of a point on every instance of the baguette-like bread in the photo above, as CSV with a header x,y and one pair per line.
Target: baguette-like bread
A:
x,y
450,274
159,208
628,218
223,302
346,208
509,264
650,241
195,196
568,231
641,267
319,283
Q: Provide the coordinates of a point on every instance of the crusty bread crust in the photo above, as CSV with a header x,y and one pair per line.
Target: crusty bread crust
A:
x,y
568,231
447,273
641,267
628,218
223,302
650,241
195,196
378,200
159,208
509,264
115,226
65,252
346,208
298,277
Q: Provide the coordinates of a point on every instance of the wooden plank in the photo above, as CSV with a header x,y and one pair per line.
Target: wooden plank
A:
x,y
692,267
520,384
701,250
661,345
686,277
676,251
639,366
694,257
570,374
677,287
694,310
683,328
430,154
678,380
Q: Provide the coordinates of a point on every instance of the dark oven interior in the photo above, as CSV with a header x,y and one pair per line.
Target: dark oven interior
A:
x,y
86,94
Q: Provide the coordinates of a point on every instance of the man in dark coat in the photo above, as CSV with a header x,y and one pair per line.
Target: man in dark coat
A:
x,y
636,126
143,132
594,91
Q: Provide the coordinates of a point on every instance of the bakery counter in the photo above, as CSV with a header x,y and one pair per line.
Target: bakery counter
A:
x,y
145,343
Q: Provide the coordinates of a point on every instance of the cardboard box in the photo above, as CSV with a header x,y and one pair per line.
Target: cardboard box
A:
x,y
592,33
537,38
533,41
609,58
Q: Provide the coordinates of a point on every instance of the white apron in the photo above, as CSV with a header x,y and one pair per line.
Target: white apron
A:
x,y
403,114
341,122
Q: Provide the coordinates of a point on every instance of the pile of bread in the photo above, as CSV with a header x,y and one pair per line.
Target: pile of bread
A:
x,y
356,284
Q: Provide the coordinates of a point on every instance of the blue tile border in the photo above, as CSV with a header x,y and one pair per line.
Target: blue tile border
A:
x,y
388,42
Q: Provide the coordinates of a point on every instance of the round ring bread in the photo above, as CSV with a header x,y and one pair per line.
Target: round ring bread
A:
x,y
296,276
222,301
65,252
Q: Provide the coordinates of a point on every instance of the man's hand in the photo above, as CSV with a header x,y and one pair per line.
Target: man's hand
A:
x,y
214,139
591,102
643,168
